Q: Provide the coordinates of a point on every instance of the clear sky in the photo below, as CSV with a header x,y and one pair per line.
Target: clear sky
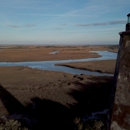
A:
x,y
71,22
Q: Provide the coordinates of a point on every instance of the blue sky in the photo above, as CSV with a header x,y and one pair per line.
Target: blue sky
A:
x,y
72,22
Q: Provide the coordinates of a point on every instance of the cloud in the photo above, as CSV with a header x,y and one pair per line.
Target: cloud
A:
x,y
14,26
56,15
65,24
95,8
117,22
30,25
26,25
104,23
58,28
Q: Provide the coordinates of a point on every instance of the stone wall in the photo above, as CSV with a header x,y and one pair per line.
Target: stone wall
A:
x,y
121,107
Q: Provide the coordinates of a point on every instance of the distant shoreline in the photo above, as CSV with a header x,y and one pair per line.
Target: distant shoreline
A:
x,y
42,53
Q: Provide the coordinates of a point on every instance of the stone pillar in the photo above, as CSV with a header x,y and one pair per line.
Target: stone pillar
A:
x,y
121,107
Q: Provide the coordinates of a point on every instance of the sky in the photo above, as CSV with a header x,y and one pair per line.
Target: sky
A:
x,y
69,22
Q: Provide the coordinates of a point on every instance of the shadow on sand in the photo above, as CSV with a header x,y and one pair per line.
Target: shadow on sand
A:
x,y
46,114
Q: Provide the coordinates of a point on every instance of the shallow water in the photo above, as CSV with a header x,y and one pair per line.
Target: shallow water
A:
x,y
50,65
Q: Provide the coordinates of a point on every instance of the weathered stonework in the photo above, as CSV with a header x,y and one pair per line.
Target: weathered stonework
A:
x,y
121,107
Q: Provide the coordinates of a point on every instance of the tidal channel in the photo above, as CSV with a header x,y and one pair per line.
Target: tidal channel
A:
x,y
50,65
